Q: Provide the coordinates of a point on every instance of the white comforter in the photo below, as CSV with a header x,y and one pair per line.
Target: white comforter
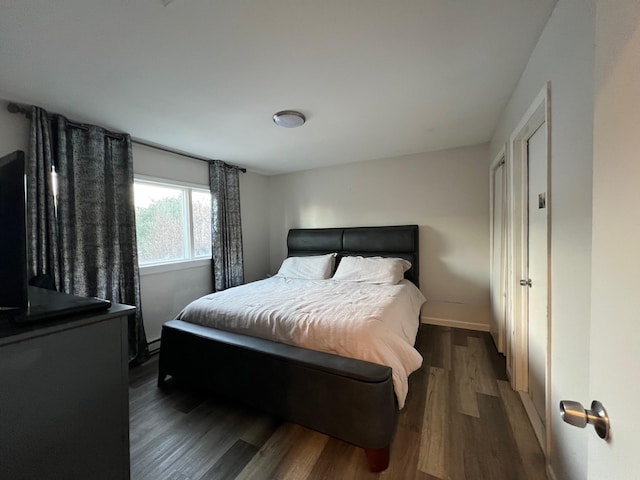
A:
x,y
377,323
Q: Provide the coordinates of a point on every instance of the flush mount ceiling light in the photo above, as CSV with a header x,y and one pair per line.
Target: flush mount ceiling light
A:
x,y
288,119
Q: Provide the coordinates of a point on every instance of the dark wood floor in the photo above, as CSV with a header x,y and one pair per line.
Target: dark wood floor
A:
x,y
461,421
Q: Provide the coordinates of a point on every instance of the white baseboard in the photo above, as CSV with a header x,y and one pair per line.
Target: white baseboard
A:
x,y
154,346
444,322
456,315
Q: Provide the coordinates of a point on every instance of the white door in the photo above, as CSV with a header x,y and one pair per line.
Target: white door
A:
x,y
537,266
615,295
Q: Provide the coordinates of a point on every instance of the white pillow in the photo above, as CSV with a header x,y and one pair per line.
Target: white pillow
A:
x,y
317,267
385,270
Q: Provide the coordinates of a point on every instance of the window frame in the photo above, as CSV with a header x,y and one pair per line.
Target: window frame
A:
x,y
190,260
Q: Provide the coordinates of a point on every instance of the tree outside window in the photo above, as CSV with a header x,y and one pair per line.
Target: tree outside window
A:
x,y
173,222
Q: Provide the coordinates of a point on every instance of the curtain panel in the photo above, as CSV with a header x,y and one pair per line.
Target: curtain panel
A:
x,y
42,229
90,247
226,226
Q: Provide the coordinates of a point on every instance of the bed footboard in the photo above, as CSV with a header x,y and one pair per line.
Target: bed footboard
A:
x,y
349,399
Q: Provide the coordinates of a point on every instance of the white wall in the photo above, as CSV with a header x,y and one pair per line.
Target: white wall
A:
x,y
446,193
254,205
565,56
165,293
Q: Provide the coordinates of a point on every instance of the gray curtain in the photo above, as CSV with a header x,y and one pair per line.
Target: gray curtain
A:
x,y
226,226
95,221
42,227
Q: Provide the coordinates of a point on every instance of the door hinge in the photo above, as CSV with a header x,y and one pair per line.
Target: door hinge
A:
x,y
525,283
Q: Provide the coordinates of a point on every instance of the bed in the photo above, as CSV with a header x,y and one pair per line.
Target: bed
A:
x,y
351,399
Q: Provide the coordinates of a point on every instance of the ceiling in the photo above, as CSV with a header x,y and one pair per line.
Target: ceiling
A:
x,y
375,78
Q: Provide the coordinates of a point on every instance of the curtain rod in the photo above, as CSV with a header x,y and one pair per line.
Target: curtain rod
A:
x,y
188,155
16,108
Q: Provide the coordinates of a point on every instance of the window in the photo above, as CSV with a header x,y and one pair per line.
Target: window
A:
x,y
173,222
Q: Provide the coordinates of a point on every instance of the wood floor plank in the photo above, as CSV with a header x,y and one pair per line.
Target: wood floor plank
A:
x,y
471,333
290,453
405,451
465,386
496,359
431,343
528,447
501,457
176,476
485,381
141,399
142,373
465,462
474,464
446,349
163,418
340,460
438,344
148,436
260,429
422,337
196,443
232,462
197,458
432,457
411,416
459,337
425,476
156,401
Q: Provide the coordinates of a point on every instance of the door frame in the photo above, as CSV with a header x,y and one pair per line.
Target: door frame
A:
x,y
538,113
502,343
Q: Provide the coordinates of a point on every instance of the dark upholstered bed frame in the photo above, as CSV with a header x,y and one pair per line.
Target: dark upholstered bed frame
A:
x,y
352,400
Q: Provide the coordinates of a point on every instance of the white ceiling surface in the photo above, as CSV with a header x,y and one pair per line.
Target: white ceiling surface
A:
x,y
375,78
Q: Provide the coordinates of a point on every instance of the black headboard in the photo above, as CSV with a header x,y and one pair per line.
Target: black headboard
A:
x,y
396,241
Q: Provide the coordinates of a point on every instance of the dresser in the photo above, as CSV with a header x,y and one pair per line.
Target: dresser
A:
x,y
64,411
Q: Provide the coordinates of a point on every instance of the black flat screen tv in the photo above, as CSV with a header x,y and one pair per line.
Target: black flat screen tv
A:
x,y
13,239
19,302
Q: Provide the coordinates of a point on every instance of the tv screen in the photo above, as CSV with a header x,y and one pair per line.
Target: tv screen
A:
x,y
13,239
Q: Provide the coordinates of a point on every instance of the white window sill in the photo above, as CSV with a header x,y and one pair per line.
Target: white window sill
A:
x,y
173,266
